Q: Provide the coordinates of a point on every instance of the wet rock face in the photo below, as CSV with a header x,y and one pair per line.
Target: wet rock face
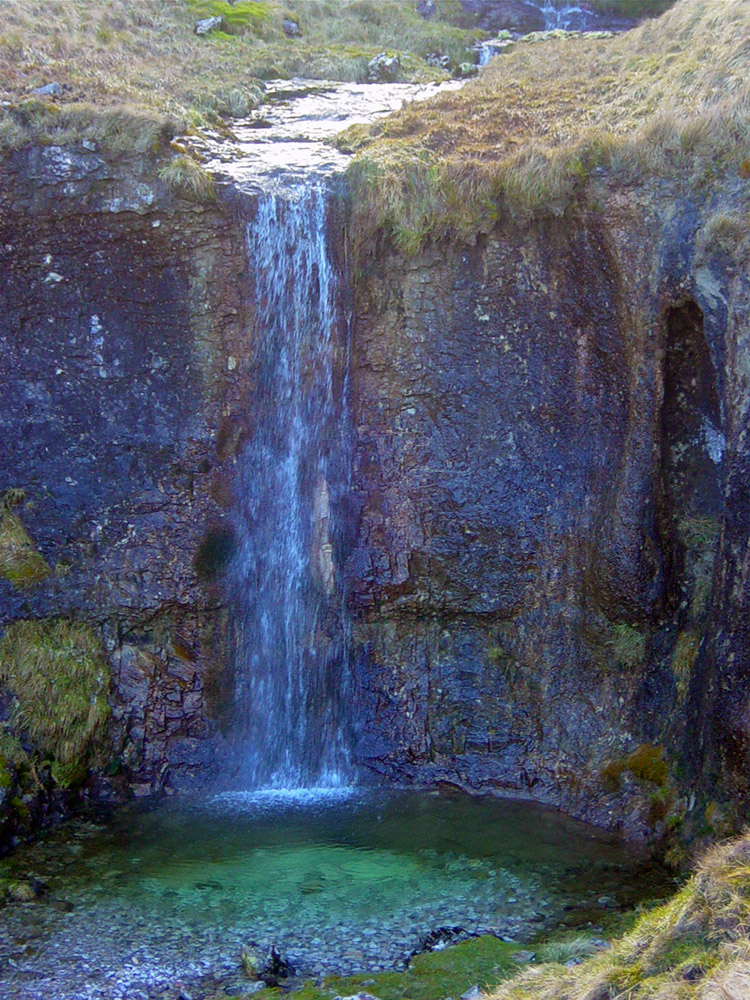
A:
x,y
117,325
540,499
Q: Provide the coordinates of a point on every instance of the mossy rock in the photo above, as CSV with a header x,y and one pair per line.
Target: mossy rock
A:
x,y
646,764
20,562
482,961
56,671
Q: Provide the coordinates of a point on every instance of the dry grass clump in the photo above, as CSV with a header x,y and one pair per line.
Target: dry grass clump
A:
x,y
185,176
695,947
671,96
55,670
144,55
20,562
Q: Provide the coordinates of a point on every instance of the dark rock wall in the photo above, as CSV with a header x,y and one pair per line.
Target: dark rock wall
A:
x,y
548,557
546,447
123,360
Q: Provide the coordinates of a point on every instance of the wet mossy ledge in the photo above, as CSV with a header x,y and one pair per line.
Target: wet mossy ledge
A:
x,y
56,677
553,122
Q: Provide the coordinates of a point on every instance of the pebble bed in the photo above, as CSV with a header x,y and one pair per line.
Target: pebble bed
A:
x,y
162,905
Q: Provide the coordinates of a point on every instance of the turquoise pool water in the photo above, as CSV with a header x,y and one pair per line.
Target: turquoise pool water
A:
x,y
161,900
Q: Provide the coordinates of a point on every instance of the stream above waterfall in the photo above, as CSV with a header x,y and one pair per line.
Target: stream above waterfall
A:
x,y
338,882
285,142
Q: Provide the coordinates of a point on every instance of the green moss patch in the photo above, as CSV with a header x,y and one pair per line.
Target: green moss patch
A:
x,y
20,562
56,671
628,646
646,764
482,961
239,18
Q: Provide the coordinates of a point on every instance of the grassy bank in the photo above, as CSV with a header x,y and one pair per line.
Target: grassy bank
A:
x,y
695,947
143,59
670,97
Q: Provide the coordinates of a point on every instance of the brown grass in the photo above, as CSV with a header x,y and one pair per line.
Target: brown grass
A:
x,y
695,947
142,55
671,96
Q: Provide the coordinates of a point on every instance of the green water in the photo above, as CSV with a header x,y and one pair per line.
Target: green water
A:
x,y
343,883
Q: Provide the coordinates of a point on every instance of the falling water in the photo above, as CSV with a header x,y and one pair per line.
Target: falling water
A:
x,y
291,628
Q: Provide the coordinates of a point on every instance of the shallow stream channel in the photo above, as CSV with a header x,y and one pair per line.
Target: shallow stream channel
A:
x,y
162,901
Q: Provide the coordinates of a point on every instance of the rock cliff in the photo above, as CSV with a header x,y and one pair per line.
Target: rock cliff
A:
x,y
547,565
549,575
122,324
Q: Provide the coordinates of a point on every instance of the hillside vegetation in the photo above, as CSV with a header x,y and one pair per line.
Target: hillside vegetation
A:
x,y
670,96
129,70
695,947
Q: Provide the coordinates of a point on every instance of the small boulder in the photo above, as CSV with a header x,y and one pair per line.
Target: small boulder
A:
x,y
426,8
518,16
473,993
207,24
438,60
291,28
523,957
49,89
465,70
265,964
384,68
358,996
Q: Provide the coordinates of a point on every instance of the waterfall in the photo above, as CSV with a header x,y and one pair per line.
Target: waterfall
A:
x,y
290,626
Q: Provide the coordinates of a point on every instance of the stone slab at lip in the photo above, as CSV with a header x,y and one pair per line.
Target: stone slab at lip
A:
x,y
207,24
473,993
523,957
49,89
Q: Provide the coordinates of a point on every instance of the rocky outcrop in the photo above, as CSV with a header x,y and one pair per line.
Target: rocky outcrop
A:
x,y
123,363
519,16
548,572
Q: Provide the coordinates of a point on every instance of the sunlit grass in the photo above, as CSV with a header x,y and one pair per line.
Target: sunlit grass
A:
x,y
695,946
671,97
145,56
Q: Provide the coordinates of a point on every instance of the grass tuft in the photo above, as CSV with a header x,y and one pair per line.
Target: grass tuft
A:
x,y
669,98
20,562
695,947
185,177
